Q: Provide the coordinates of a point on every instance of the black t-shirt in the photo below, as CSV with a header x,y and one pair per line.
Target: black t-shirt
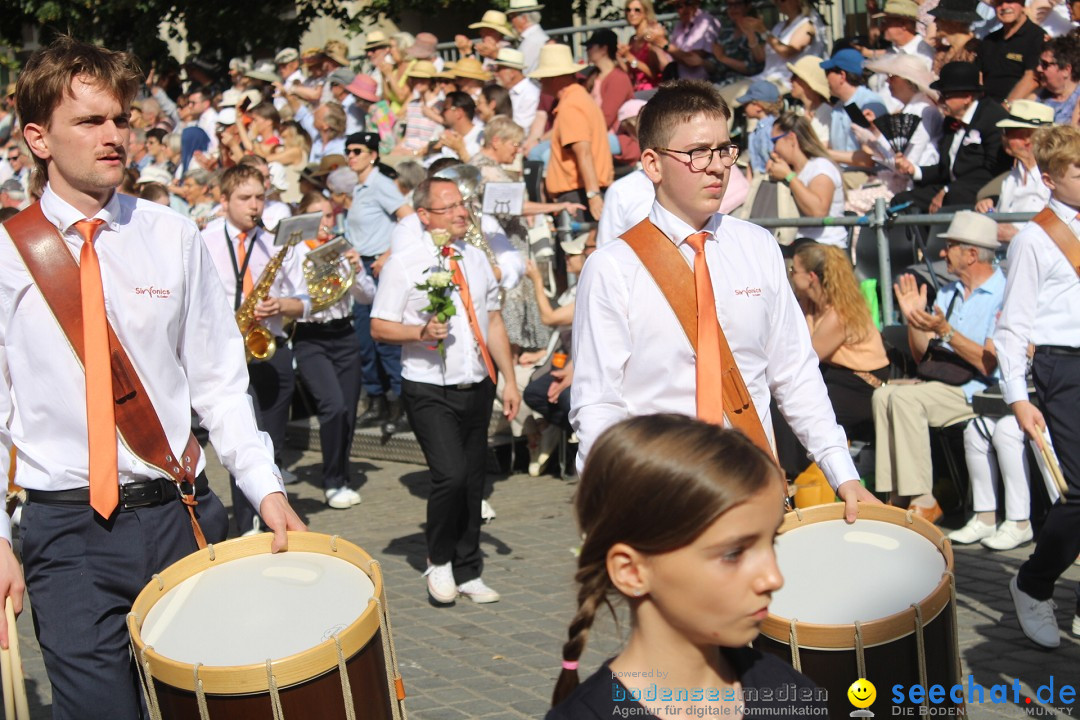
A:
x,y
771,688
1004,61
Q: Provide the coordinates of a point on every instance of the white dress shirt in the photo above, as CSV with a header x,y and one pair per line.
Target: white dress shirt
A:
x,y
1042,301
409,234
631,356
525,99
165,304
289,281
1022,190
532,39
958,139
362,291
208,123
398,300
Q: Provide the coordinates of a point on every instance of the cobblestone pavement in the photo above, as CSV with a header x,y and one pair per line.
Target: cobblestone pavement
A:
x,y
501,660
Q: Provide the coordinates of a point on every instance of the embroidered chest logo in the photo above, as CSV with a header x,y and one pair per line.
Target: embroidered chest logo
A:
x,y
153,292
749,292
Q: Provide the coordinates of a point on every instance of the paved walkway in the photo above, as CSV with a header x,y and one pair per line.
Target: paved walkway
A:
x,y
501,660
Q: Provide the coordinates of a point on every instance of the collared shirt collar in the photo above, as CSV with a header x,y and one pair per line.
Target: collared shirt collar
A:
x,y
1066,213
970,113
233,232
369,179
677,229
61,214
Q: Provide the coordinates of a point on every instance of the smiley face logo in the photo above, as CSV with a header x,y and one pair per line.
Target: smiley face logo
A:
x,y
862,693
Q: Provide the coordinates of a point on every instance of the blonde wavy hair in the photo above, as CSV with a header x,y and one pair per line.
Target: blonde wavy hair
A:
x,y
833,269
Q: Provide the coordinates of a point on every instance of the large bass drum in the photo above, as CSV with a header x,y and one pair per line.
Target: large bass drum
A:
x,y
236,632
874,600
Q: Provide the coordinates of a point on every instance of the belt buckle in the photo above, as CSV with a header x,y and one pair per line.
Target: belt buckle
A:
x,y
464,386
141,494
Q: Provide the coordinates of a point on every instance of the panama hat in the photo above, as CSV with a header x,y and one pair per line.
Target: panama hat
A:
x,y
899,8
376,38
555,60
285,56
972,228
265,71
495,20
912,68
1027,114
511,58
522,6
808,69
421,69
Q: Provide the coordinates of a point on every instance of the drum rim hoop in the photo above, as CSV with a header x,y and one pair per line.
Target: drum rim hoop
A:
x,y
881,631
250,679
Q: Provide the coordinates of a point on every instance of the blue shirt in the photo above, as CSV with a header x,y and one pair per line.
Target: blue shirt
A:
x,y
840,135
975,316
371,218
1063,109
760,143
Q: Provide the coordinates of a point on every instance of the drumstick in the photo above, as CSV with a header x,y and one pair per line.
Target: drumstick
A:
x,y
18,682
1052,464
5,670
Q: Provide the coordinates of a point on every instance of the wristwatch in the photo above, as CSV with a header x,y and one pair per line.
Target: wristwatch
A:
x,y
591,194
948,336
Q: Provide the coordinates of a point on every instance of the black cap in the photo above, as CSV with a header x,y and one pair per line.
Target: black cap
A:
x,y
368,139
958,77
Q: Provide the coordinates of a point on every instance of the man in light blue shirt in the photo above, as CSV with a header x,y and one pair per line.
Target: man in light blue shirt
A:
x,y
376,205
962,321
844,73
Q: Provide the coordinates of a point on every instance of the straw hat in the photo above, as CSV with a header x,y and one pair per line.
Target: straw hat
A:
x,y
337,51
511,58
495,20
972,228
555,60
447,72
286,55
311,55
421,69
522,6
154,174
909,67
471,68
899,8
1028,114
376,38
808,69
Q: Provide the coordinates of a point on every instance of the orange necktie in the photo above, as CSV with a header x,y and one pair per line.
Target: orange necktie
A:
x,y
100,418
710,405
241,255
466,299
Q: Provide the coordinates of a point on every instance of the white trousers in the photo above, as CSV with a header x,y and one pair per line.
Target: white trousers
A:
x,y
996,448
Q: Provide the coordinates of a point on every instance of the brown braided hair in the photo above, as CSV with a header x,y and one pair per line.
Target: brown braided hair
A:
x,y
643,471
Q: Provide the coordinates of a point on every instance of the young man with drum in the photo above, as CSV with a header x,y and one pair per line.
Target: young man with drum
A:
x,y
89,545
1042,308
636,346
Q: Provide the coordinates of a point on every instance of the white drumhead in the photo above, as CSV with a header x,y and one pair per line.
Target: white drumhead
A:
x,y
256,608
836,574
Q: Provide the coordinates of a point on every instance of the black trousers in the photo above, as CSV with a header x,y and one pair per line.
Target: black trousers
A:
x,y
536,397
271,390
1057,385
451,426
83,575
328,358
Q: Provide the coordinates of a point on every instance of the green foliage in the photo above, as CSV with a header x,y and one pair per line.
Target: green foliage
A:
x,y
218,30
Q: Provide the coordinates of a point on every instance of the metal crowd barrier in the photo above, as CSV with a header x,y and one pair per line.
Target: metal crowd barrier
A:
x,y
879,220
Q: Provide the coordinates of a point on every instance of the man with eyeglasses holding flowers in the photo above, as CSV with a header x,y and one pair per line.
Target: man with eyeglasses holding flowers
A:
x,y
634,342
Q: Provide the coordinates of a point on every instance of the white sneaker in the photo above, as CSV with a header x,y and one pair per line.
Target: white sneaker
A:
x,y
477,591
973,532
1076,626
487,513
1009,535
342,498
1036,617
440,583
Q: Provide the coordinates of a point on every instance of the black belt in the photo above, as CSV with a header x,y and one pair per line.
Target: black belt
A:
x,y
1057,350
369,258
332,327
138,494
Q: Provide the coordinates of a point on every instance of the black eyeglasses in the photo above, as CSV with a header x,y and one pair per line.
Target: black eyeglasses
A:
x,y
701,158
1046,64
357,151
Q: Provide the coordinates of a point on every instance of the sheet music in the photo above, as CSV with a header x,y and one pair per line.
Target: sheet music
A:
x,y
503,198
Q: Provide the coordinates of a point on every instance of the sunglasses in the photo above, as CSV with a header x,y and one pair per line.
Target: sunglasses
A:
x,y
633,10
13,157
779,137
1045,64
357,151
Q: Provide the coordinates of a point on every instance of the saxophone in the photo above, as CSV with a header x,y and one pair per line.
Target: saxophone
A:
x,y
259,344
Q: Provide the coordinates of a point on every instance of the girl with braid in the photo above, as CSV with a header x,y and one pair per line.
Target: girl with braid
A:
x,y
679,518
